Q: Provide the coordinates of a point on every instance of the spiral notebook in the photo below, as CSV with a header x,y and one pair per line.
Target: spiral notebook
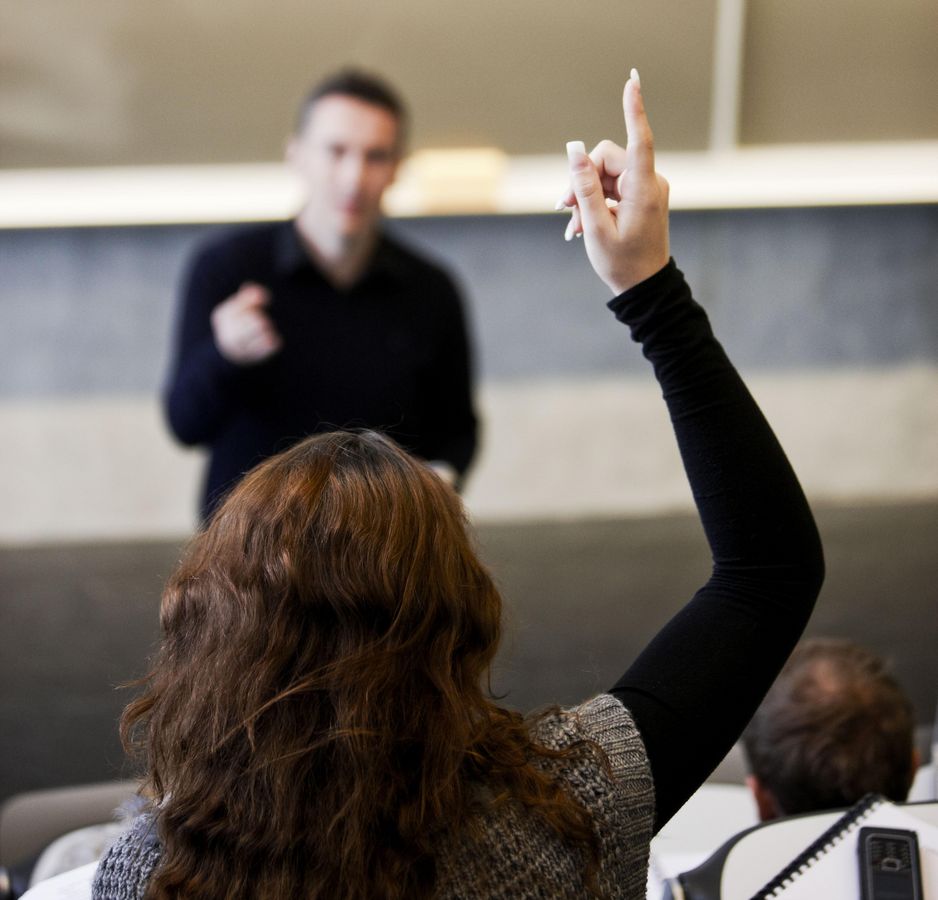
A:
x,y
828,867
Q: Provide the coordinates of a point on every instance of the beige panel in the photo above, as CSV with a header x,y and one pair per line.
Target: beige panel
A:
x,y
108,83
100,469
840,70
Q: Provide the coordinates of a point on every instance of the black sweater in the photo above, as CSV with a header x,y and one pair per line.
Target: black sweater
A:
x,y
390,353
697,684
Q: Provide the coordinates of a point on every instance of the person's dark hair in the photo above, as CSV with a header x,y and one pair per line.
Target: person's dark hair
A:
x,y
835,726
360,85
318,715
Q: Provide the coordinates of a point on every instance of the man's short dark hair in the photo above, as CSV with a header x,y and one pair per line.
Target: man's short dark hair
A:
x,y
360,85
835,726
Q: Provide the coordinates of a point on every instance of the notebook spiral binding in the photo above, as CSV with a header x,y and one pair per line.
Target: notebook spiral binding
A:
x,y
812,853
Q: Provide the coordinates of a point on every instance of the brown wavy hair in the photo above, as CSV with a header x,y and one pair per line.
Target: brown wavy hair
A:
x,y
318,712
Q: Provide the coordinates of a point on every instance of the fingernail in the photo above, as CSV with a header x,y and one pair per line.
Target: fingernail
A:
x,y
634,74
568,234
560,205
575,150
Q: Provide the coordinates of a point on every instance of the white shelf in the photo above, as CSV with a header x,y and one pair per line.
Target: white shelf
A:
x,y
471,182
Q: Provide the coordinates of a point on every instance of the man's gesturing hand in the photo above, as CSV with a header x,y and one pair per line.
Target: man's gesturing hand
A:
x,y
243,332
627,237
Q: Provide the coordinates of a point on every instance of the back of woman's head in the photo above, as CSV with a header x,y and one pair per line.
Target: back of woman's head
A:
x,y
324,642
316,715
342,560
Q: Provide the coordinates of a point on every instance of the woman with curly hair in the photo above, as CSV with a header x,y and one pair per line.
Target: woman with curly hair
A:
x,y
317,723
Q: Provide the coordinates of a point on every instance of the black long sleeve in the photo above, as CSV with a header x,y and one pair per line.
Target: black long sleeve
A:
x,y
697,684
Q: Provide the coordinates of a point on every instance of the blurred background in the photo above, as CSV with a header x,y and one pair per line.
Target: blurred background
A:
x,y
801,142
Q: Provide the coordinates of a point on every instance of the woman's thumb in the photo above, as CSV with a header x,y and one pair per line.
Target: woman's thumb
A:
x,y
586,186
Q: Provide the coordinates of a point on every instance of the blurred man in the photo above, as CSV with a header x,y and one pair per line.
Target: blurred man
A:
x,y
834,726
323,322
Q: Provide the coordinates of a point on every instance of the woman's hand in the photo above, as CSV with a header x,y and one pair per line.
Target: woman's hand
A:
x,y
620,202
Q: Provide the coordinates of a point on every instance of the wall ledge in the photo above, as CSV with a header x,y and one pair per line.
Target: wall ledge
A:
x,y
480,181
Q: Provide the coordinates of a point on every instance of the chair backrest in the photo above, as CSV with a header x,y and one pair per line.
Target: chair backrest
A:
x,y
749,860
32,820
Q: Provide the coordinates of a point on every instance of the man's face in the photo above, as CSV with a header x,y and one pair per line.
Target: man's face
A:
x,y
347,156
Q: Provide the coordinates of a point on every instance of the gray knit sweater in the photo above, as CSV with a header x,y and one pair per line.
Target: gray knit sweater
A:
x,y
518,856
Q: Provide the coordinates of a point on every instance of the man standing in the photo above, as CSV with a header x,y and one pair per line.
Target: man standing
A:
x,y
323,322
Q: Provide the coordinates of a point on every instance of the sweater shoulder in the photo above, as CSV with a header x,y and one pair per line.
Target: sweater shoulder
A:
x,y
124,871
512,854
605,722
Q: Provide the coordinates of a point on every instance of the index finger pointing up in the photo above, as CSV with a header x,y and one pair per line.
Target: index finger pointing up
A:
x,y
640,149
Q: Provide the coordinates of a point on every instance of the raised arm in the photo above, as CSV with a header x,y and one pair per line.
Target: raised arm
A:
x,y
692,690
